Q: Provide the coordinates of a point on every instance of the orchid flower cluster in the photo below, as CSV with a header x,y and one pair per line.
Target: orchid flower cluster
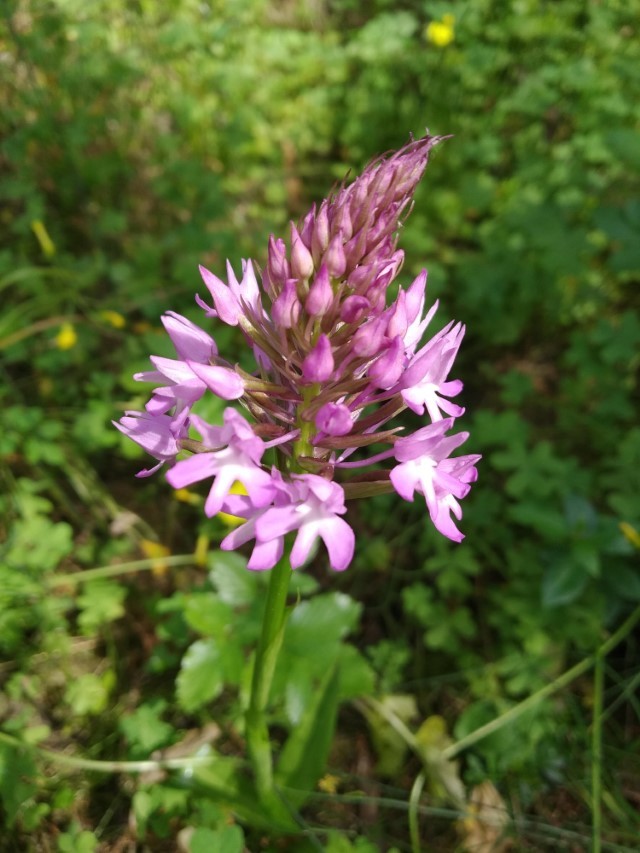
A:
x,y
335,364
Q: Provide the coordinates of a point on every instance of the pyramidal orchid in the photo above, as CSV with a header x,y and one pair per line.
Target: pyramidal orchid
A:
x,y
336,362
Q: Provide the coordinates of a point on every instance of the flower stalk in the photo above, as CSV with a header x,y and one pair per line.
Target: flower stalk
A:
x,y
266,656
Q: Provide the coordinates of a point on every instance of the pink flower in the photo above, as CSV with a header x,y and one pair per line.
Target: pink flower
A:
x,y
425,468
234,454
159,435
309,504
336,361
230,300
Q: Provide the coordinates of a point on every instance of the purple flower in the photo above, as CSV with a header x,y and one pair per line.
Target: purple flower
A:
x,y
159,435
423,383
319,364
230,301
336,361
307,504
234,453
425,468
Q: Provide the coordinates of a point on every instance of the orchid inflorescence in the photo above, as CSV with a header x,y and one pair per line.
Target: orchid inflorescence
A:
x,y
334,366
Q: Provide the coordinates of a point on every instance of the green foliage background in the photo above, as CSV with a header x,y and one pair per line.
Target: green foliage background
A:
x,y
140,139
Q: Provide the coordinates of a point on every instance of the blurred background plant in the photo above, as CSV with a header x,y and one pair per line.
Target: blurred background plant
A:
x,y
140,139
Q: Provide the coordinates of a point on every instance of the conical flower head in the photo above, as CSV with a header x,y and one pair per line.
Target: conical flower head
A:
x,y
334,365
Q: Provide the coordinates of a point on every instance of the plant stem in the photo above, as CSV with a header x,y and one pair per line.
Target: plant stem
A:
x,y
414,802
596,756
563,680
263,670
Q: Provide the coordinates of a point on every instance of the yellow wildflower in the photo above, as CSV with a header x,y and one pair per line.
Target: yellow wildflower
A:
x,y
66,337
630,533
201,550
187,497
441,33
155,551
329,783
114,319
42,236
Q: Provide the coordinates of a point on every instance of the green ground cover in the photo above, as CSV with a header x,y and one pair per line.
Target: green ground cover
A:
x,y
140,139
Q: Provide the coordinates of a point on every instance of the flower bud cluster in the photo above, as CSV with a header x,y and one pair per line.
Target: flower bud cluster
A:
x,y
336,362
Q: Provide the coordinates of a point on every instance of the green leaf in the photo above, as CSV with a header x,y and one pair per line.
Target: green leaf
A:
x,y
101,602
144,729
305,752
224,781
206,613
236,585
624,581
337,842
563,582
88,694
356,677
17,785
230,839
201,675
316,624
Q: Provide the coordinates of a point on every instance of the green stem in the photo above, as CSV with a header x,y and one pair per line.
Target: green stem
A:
x,y
517,710
78,763
528,703
596,757
116,571
414,802
264,667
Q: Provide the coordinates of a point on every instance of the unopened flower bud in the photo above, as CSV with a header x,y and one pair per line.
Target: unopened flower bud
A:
x,y
320,295
342,223
398,318
285,311
301,260
335,257
367,341
354,308
387,369
277,260
415,296
320,236
319,365
334,419
308,226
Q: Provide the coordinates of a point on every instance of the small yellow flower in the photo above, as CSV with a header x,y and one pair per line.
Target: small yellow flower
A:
x,y
187,497
201,550
329,783
630,533
114,319
225,517
155,551
441,33
42,236
66,337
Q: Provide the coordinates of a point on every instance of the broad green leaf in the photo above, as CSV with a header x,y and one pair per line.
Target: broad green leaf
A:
x,y
17,780
315,625
201,675
563,582
207,614
236,585
229,839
